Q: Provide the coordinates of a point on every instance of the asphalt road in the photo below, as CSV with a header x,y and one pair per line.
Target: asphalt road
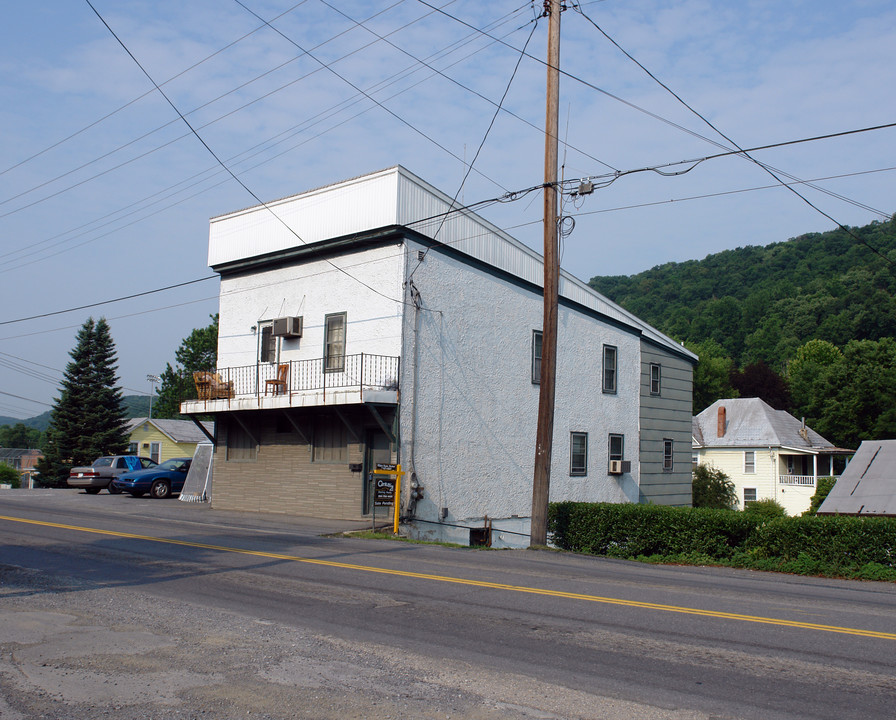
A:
x,y
123,607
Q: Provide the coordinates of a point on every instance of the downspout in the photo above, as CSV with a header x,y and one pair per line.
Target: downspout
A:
x,y
411,473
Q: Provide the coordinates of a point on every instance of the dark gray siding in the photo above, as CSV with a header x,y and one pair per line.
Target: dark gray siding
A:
x,y
666,416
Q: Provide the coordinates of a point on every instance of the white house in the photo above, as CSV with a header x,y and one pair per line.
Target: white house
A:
x,y
364,323
766,453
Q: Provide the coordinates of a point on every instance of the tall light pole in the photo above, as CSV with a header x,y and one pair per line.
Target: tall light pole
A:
x,y
544,439
152,380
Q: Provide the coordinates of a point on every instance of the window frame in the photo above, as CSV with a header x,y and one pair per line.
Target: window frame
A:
x,y
580,469
331,358
537,346
656,379
749,462
267,342
755,495
609,382
621,454
668,455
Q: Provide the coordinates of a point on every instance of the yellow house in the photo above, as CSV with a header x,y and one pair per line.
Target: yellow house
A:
x,y
165,439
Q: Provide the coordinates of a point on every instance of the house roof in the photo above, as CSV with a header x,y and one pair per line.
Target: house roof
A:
x,y
395,197
180,431
868,484
751,422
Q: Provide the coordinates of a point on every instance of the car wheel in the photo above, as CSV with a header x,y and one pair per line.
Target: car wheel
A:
x,y
137,494
113,490
92,491
160,489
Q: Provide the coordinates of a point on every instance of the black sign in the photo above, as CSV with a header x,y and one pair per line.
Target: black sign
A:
x,y
391,467
383,491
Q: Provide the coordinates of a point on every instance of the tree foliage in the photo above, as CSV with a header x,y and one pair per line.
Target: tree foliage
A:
x,y
88,418
712,488
9,475
197,351
712,376
762,303
760,381
19,436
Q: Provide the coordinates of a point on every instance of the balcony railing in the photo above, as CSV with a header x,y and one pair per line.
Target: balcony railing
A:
x,y
362,372
796,479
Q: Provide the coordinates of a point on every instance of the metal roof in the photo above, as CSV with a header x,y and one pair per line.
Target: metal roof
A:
x,y
868,484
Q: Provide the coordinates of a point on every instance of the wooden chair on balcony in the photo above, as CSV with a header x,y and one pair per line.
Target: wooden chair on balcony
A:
x,y
211,386
278,386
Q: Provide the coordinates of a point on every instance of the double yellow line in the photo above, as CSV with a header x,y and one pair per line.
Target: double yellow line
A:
x,y
474,583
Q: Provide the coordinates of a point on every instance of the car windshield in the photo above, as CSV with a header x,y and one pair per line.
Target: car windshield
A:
x,y
102,462
173,464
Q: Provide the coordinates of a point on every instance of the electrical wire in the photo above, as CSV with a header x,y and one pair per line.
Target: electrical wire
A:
x,y
478,150
261,145
742,152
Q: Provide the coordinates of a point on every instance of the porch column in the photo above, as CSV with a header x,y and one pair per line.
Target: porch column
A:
x,y
815,468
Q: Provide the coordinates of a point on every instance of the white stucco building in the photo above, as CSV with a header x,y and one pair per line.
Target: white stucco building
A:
x,y
361,324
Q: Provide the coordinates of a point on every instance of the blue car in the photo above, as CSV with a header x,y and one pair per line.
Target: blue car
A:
x,y
159,481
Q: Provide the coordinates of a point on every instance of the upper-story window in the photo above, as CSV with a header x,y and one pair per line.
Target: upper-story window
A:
x,y
609,379
267,344
536,356
749,462
656,378
334,342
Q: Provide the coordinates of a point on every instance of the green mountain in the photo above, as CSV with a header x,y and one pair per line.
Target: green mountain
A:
x,y
762,303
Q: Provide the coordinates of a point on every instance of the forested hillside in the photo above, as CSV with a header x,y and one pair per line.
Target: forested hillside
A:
x,y
762,303
808,325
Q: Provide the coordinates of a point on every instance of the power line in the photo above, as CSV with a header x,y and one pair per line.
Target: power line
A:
x,y
743,152
259,147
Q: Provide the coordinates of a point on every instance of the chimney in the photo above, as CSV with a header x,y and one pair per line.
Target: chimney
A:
x,y
720,432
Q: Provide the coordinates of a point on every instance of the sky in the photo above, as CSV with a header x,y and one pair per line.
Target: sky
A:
x,y
106,192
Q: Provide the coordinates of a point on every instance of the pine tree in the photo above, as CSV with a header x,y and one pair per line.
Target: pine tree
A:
x,y
88,419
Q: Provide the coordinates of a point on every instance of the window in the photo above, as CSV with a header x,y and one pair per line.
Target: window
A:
x,y
330,442
334,342
668,462
749,495
578,453
267,344
132,448
656,374
536,356
617,447
609,381
749,462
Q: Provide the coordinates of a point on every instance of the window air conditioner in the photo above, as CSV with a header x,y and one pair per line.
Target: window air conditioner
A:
x,y
288,327
615,467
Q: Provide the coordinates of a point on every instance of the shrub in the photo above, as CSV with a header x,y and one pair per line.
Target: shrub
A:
x,y
9,475
767,508
822,488
712,488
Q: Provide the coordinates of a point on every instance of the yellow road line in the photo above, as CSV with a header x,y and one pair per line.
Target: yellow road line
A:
x,y
475,583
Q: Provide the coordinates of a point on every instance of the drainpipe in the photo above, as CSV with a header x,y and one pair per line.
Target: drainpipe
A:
x,y
411,473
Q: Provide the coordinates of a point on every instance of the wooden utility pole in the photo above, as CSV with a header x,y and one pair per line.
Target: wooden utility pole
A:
x,y
541,482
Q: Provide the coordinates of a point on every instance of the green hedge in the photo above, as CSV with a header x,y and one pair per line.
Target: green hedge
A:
x,y
834,546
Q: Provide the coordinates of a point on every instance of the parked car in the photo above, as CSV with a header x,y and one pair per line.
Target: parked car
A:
x,y
160,481
104,470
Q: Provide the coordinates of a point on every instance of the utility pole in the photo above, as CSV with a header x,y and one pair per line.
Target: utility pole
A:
x,y
152,380
541,482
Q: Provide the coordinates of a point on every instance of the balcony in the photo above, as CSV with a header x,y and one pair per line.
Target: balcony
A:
x,y
343,380
797,479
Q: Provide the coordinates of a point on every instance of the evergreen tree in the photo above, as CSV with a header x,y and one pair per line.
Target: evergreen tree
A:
x,y
198,351
88,418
